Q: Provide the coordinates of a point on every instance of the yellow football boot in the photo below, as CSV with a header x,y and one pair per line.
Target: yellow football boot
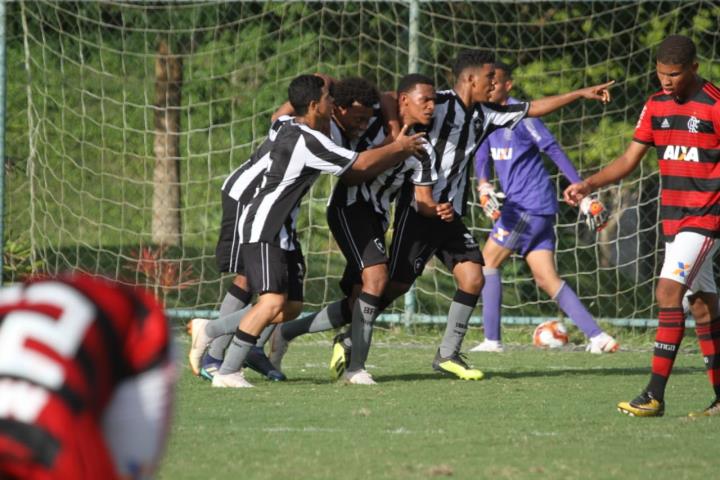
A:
x,y
644,405
711,411
455,365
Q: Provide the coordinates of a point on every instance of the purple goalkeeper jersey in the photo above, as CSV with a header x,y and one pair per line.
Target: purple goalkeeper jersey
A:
x,y
519,165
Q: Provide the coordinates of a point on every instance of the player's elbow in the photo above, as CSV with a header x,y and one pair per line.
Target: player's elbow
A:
x,y
353,176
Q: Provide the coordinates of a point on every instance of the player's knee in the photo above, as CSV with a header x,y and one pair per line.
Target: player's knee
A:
x,y
272,303
375,280
472,284
669,294
548,283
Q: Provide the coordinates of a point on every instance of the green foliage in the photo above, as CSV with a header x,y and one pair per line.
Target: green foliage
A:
x,y
81,119
18,260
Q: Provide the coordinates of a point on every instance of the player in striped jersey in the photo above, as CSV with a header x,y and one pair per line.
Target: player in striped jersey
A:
x,y
682,121
299,154
526,223
355,125
461,121
356,111
358,217
237,190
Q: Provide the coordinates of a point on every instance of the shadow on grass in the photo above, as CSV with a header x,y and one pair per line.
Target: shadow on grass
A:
x,y
490,374
587,371
412,377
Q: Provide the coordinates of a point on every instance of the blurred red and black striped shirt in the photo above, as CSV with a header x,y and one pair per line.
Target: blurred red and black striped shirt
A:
x,y
687,139
65,346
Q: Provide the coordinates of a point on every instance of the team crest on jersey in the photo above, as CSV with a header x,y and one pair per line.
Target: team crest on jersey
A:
x,y
418,265
501,153
470,241
477,125
500,235
379,245
682,269
693,124
680,152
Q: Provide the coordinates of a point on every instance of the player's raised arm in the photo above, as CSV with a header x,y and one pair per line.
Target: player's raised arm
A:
x,y
284,109
618,169
546,105
389,108
371,163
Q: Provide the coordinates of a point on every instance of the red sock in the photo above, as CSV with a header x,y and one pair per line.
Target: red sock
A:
x,y
709,340
670,332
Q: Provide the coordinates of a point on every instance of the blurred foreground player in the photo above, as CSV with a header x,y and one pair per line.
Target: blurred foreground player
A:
x,y
86,379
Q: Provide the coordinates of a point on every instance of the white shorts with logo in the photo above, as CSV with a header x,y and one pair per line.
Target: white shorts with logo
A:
x,y
688,260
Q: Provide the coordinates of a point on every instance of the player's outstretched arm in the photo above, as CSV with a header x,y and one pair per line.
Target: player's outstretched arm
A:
x,y
546,105
618,169
370,163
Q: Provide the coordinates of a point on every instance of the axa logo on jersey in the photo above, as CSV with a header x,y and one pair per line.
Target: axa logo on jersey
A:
x,y
501,153
681,152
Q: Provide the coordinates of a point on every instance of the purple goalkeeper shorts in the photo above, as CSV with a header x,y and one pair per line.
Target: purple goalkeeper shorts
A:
x,y
523,232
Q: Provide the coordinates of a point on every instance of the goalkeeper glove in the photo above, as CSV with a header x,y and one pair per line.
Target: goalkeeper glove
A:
x,y
594,213
490,200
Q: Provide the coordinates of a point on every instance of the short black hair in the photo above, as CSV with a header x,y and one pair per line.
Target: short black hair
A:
x,y
505,68
676,50
355,89
471,58
409,81
304,89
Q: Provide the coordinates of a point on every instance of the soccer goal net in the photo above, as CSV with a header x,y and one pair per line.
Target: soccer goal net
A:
x,y
123,118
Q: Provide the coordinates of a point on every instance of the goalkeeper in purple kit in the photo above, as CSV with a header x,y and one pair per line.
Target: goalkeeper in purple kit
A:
x,y
525,224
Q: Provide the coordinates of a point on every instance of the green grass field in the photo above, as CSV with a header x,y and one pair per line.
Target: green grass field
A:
x,y
538,414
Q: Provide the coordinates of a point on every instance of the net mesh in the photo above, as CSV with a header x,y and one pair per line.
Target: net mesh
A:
x,y
114,104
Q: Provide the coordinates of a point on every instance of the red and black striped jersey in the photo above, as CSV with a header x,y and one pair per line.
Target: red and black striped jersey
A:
x,y
65,346
686,136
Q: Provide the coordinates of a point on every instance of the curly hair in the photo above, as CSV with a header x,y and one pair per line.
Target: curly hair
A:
x,y
355,89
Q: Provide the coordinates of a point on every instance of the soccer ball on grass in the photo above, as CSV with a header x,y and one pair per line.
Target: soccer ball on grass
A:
x,y
551,334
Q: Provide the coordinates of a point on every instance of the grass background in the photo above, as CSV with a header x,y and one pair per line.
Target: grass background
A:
x,y
538,414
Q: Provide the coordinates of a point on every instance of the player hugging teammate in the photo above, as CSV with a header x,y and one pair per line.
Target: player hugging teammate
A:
x,y
354,140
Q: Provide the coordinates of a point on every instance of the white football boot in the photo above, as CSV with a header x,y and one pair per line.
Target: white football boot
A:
x,y
490,346
602,343
198,343
358,377
231,380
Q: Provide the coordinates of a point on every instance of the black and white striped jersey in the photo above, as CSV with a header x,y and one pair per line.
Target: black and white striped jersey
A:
x,y
374,135
297,157
242,184
381,191
455,134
